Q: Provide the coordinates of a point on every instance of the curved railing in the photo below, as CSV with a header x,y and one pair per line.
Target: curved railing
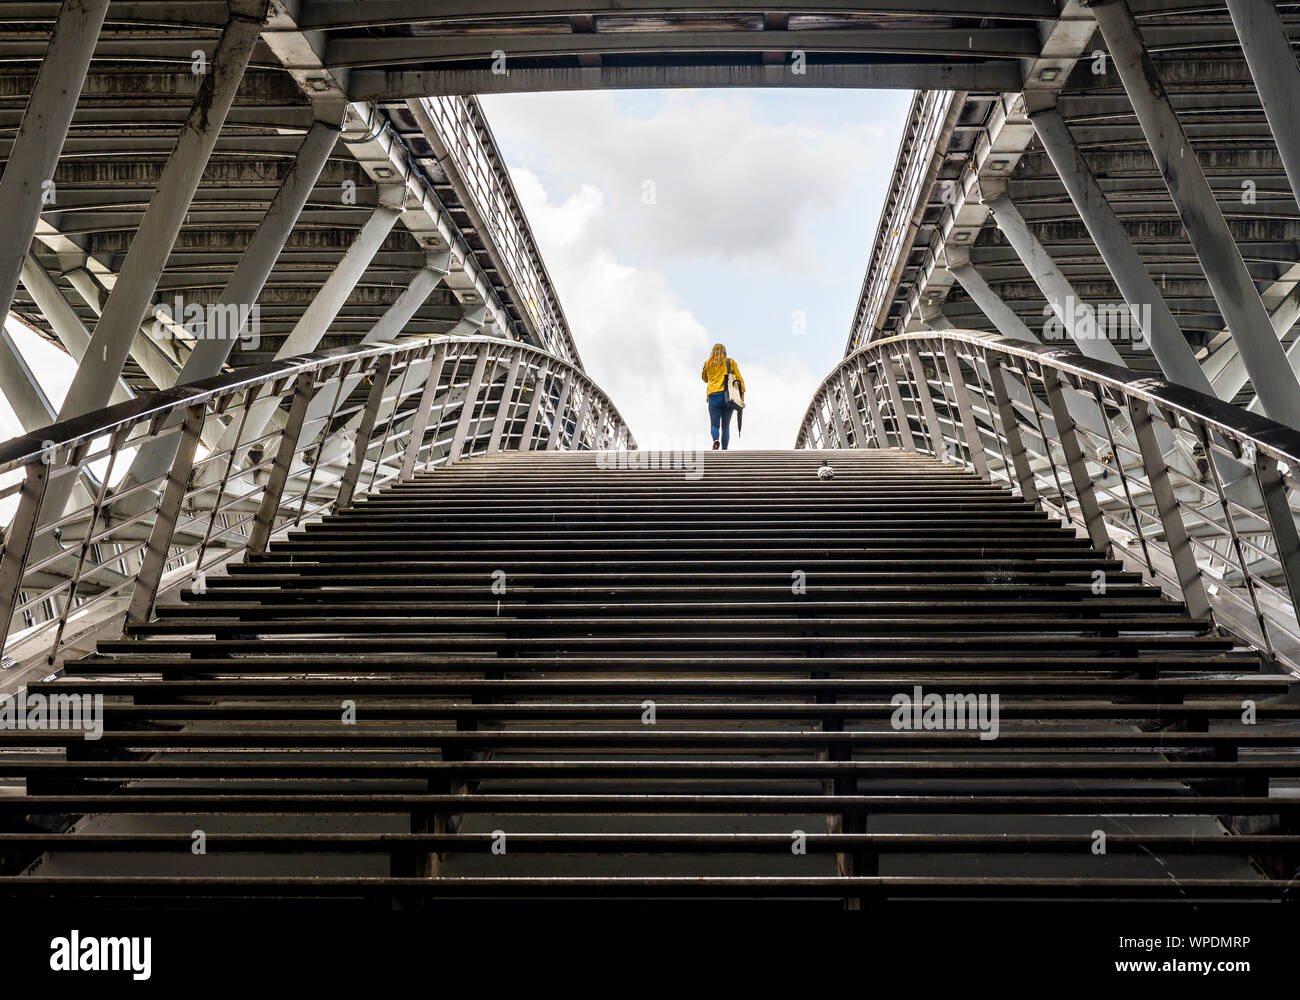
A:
x,y
118,506
1198,493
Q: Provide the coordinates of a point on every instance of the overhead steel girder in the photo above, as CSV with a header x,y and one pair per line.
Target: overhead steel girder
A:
x,y
327,14
381,85
388,52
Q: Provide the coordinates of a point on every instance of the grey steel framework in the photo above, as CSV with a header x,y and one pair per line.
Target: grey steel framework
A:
x,y
355,420
1015,413
1078,158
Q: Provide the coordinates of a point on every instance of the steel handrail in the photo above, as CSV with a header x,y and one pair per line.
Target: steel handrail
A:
x,y
347,422
1225,544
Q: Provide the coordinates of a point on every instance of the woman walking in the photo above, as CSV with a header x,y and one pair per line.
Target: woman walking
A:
x,y
714,373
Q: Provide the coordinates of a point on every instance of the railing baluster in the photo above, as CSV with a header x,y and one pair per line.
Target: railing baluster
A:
x,y
873,407
467,408
1176,538
1076,463
1281,520
1123,479
974,444
937,445
539,390
1011,432
264,521
361,443
557,425
851,404
145,591
902,423
420,425
506,404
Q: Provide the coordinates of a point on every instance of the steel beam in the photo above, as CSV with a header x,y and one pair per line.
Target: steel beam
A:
x,y
999,313
1267,48
1170,347
1061,297
129,301
1207,229
18,383
263,250
420,287
35,152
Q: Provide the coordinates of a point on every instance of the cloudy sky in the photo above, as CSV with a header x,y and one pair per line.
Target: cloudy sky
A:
x,y
673,219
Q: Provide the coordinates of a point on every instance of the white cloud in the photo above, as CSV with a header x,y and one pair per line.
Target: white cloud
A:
x,y
726,183
640,341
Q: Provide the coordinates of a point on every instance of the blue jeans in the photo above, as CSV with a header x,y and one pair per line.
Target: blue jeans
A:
x,y
720,416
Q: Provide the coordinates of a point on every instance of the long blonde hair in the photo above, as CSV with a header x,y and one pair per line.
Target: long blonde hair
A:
x,y
718,355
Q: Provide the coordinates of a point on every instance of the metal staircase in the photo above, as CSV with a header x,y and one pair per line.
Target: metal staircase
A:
x,y
632,676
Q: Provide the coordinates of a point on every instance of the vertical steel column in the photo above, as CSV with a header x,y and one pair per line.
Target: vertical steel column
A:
x,y
264,521
467,407
361,443
1011,431
154,560
35,151
1207,229
420,426
1170,347
557,426
504,407
1162,493
974,443
1068,433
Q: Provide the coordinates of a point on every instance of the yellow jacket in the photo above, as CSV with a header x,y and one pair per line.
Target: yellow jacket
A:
x,y
712,374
